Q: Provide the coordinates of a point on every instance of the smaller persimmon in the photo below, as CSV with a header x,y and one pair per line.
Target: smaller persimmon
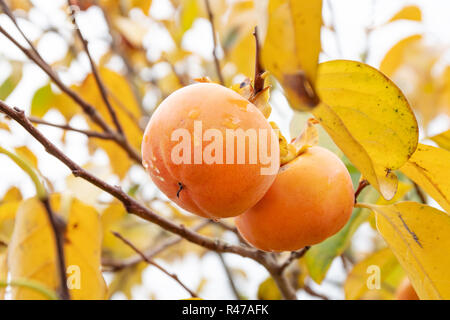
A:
x,y
405,291
311,199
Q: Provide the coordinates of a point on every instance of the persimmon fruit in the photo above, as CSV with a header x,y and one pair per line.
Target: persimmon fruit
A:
x,y
311,199
215,189
405,291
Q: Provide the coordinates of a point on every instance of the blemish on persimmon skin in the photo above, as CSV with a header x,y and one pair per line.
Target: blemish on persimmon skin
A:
x,y
194,113
240,103
180,188
230,121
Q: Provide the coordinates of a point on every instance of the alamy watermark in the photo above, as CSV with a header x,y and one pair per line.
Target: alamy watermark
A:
x,y
251,146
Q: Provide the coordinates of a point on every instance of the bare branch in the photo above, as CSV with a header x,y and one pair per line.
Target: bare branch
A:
x,y
87,108
214,51
131,261
229,276
88,133
172,275
310,291
258,82
362,184
295,255
101,86
58,226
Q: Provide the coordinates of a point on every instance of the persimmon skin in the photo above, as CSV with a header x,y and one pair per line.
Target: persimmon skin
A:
x,y
215,190
406,291
310,200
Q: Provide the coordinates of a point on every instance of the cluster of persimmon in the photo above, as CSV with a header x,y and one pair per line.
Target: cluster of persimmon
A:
x,y
302,202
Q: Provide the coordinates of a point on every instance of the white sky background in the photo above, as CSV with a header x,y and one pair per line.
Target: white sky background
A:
x,y
352,16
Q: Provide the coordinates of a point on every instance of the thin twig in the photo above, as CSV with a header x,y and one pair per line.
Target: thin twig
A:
x,y
295,255
214,51
88,133
87,108
101,86
153,263
362,184
312,292
11,16
258,83
333,25
58,226
229,276
116,265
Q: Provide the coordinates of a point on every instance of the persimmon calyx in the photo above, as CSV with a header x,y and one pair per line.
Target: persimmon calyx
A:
x,y
307,139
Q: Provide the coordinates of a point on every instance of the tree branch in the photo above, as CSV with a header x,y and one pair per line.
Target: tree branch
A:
x,y
295,255
98,80
229,276
58,226
131,261
258,83
151,262
88,133
362,184
214,51
87,108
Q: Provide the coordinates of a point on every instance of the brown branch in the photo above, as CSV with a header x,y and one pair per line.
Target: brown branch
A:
x,y
295,255
258,83
116,265
362,184
134,207
101,86
214,51
229,277
312,292
151,262
58,226
88,133
87,108
11,16
131,73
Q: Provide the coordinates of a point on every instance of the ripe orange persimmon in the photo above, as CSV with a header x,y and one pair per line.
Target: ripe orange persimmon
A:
x,y
311,199
190,157
405,291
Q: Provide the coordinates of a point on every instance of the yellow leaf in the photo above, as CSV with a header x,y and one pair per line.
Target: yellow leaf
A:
x,y
128,112
26,153
419,236
24,5
408,13
443,140
132,30
3,271
32,250
292,45
396,55
144,5
126,279
268,290
4,126
7,215
368,118
13,194
362,281
141,234
429,168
